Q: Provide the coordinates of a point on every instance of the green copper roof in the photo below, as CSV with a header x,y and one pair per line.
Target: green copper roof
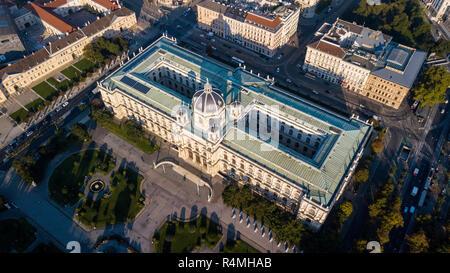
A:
x,y
321,175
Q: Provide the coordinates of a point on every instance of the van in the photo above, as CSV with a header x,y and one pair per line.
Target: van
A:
x,y
427,183
414,191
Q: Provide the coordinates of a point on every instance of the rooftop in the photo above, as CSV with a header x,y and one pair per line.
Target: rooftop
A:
x,y
400,65
7,25
321,175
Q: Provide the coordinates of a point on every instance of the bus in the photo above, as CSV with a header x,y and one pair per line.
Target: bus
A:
x,y
237,60
422,198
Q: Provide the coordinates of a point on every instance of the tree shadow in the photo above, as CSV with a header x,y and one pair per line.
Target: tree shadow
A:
x,y
194,212
230,232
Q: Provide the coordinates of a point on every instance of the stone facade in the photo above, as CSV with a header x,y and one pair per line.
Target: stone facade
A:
x,y
256,32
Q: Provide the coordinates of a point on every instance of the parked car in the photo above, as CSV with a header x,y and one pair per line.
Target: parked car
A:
x,y
29,133
414,105
412,209
414,191
65,104
58,108
315,92
278,70
405,210
416,171
289,80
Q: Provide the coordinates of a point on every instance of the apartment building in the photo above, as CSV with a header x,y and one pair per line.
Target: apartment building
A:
x,y
46,60
308,7
436,8
359,59
263,29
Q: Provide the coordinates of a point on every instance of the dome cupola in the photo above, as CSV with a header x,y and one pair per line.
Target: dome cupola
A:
x,y
207,101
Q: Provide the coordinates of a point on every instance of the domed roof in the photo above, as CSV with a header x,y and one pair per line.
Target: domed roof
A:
x,y
207,101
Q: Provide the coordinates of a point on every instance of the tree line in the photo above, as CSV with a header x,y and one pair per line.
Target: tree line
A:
x,y
285,226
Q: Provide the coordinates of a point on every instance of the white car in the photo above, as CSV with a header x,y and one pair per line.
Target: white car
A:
x,y
414,191
289,80
65,104
278,70
201,35
443,111
315,92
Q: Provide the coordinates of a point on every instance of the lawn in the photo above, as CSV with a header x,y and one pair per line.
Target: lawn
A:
x,y
142,143
34,105
62,85
20,115
85,65
179,237
68,178
45,90
238,246
123,204
71,73
16,235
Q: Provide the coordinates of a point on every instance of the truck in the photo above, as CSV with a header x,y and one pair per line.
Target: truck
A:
x,y
422,198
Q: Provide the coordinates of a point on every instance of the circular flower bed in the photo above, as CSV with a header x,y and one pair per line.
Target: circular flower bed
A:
x,y
97,186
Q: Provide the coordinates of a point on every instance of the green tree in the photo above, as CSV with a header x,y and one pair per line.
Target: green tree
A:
x,y
24,167
433,85
377,146
417,242
402,19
